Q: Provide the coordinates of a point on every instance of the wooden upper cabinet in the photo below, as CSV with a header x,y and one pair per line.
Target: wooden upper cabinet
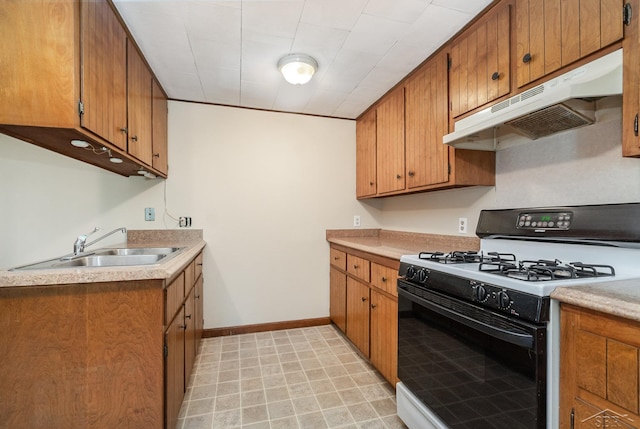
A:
x,y
426,122
104,73
631,85
480,62
140,102
551,34
390,143
366,155
159,118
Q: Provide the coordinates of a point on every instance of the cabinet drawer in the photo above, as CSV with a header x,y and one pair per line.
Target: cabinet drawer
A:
x,y
198,266
384,278
338,259
358,267
173,298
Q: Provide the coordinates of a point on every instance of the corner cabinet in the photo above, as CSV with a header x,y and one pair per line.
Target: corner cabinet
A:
x,y
599,370
631,83
410,123
76,74
364,305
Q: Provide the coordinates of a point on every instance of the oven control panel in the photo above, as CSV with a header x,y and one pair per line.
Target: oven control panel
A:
x,y
545,220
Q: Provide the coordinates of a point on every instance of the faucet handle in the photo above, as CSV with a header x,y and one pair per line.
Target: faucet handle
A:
x,y
78,246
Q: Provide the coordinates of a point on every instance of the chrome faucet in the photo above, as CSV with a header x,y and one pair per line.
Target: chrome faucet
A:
x,y
81,241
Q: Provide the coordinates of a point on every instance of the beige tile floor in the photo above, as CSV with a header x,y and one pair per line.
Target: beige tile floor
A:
x,y
303,378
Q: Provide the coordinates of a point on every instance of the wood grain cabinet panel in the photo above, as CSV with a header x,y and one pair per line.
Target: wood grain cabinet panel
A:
x,y
358,267
631,85
174,296
338,298
338,259
366,155
384,335
159,120
358,314
139,84
174,369
390,158
551,35
480,62
384,278
599,370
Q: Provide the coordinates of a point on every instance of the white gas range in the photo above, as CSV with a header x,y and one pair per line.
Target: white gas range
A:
x,y
494,305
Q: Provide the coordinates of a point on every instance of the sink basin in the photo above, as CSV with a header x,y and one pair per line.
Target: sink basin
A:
x,y
109,257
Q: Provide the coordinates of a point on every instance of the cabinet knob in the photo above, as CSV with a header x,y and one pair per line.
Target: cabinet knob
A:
x,y
384,279
411,174
156,155
355,267
134,138
373,306
495,76
183,327
526,58
635,126
364,298
335,258
398,176
370,183
199,264
123,130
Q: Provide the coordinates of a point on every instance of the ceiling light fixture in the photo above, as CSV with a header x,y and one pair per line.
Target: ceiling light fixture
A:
x,y
297,69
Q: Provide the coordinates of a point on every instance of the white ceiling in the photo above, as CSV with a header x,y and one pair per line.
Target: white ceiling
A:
x,y
226,51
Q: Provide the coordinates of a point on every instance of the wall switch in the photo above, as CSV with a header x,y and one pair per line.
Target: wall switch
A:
x,y
149,213
356,220
462,225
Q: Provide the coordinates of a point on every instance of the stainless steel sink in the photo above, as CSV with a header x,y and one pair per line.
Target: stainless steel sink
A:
x,y
108,257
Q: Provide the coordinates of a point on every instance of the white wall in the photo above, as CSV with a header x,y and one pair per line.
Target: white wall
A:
x,y
264,187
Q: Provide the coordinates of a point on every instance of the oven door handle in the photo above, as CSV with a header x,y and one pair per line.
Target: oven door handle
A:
x,y
519,339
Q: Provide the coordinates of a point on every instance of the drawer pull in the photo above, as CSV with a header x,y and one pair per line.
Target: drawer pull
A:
x,y
384,279
364,298
188,316
199,264
183,327
335,258
373,306
355,267
495,76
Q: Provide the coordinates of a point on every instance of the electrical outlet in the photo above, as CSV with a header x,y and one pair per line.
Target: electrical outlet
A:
x,y
185,222
356,220
149,214
462,225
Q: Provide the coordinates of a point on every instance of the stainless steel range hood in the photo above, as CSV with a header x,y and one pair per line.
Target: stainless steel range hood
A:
x,y
562,103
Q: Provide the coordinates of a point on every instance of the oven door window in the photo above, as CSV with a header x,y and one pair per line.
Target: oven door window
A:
x,y
470,377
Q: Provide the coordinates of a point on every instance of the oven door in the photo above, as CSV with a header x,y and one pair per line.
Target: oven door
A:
x,y
471,367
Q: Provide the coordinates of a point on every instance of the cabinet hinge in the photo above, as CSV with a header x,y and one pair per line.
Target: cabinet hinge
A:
x,y
626,14
165,351
80,107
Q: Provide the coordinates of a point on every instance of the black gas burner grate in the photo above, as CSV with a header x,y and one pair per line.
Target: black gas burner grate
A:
x,y
465,257
543,270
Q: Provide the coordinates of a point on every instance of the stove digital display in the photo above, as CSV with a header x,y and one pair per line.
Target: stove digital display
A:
x,y
545,220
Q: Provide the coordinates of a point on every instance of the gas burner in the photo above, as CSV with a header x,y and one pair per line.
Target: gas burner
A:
x,y
544,270
465,257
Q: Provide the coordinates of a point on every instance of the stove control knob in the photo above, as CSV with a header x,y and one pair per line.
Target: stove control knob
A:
x,y
411,272
423,275
504,301
480,293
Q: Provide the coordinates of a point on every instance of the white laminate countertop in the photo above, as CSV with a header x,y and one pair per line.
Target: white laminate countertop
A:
x,y
191,240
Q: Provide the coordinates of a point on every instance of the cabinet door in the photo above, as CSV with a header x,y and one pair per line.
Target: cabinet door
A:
x,y
199,309
480,63
189,334
426,122
174,369
358,314
390,143
159,120
104,72
139,101
384,335
366,155
338,298
552,34
631,85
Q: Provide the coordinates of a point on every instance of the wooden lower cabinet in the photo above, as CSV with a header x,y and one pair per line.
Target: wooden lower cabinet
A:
x,y
358,314
599,370
364,305
384,335
96,355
